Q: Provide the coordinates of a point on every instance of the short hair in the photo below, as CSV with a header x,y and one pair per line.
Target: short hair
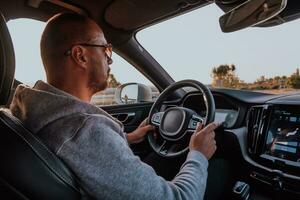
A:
x,y
61,31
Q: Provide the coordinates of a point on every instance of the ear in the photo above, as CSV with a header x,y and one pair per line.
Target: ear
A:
x,y
79,56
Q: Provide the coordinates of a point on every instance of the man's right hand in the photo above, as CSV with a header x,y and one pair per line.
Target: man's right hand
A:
x,y
203,140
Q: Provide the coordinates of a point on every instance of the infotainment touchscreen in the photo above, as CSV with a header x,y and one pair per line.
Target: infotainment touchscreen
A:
x,y
283,135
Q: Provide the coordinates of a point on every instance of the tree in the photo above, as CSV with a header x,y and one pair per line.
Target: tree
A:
x,y
294,81
277,78
112,82
261,79
224,76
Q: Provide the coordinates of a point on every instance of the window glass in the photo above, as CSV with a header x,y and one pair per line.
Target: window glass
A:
x,y
192,46
121,73
26,34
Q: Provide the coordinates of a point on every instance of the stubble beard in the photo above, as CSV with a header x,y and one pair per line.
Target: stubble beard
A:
x,y
95,84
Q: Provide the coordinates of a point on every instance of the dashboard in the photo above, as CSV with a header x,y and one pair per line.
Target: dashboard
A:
x,y
226,117
267,128
226,111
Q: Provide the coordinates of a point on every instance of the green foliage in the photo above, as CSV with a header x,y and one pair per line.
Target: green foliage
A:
x,y
224,76
112,82
294,81
260,87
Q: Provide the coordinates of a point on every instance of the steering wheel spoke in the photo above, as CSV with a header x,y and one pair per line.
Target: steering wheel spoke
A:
x,y
156,118
163,148
167,148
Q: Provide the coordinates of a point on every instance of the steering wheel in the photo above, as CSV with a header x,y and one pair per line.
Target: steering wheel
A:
x,y
176,124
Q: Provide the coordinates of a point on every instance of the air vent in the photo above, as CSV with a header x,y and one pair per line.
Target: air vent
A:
x,y
257,120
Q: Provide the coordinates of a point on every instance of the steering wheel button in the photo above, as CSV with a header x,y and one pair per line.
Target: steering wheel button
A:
x,y
192,124
156,118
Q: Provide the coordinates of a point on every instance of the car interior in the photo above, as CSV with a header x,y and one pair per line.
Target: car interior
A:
x,y
260,169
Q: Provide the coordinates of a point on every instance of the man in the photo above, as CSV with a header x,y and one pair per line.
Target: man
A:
x,y
76,58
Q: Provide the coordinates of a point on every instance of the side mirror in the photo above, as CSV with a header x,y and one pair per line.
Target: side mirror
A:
x,y
251,13
133,93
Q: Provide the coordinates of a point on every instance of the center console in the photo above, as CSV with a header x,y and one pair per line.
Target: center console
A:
x,y
273,141
283,136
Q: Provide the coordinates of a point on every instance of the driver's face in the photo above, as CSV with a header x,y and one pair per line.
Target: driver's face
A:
x,y
99,61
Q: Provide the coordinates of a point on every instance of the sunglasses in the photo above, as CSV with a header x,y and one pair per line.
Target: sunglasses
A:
x,y
108,49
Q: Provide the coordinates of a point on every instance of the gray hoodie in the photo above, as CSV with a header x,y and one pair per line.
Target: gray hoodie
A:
x,y
93,145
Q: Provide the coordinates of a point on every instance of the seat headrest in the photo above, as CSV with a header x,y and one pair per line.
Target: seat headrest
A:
x,y
7,62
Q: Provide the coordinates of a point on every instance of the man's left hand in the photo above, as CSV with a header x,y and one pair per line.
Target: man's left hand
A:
x,y
138,135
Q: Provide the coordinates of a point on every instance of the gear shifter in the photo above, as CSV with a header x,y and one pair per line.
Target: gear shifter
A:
x,y
241,191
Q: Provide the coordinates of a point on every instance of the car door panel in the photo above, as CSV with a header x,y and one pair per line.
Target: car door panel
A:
x,y
131,115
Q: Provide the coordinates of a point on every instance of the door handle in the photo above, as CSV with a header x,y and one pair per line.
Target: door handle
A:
x,y
125,118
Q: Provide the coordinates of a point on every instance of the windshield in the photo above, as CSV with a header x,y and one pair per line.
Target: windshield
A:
x,y
192,46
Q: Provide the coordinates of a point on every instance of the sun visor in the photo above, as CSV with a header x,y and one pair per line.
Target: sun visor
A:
x,y
133,14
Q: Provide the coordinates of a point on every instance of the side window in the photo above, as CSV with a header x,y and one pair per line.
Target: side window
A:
x,y
124,84
26,34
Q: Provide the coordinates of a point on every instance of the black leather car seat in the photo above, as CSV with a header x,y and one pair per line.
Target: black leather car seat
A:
x,y
28,170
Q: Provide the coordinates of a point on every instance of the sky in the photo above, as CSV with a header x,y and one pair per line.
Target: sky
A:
x,y
188,47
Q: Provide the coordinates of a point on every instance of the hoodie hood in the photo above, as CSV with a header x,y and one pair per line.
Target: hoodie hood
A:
x,y
43,104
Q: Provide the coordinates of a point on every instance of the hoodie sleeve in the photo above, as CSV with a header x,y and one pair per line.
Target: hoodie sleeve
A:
x,y
108,169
